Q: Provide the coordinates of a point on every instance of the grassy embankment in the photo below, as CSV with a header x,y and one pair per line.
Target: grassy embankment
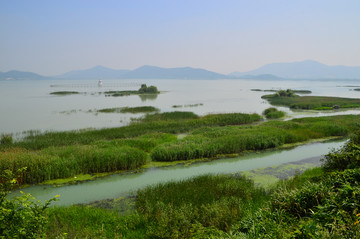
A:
x,y
311,102
321,203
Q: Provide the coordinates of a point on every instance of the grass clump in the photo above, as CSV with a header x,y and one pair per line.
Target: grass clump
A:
x,y
133,110
273,113
139,109
64,93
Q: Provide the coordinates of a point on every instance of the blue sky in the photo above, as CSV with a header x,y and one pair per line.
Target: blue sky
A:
x,y
53,37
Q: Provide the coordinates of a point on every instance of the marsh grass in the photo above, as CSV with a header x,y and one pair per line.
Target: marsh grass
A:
x,y
313,102
181,208
211,141
273,113
64,93
169,122
133,110
68,161
139,109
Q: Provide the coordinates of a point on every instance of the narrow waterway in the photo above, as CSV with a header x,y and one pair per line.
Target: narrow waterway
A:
x,y
123,184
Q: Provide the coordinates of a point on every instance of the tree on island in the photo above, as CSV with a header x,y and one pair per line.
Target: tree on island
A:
x,y
285,93
150,89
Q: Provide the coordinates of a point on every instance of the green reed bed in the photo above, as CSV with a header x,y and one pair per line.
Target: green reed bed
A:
x,y
312,102
211,141
64,93
171,122
133,110
90,222
145,142
67,161
185,208
139,109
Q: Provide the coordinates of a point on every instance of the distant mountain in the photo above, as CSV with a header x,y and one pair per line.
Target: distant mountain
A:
x,y
97,72
153,72
305,70
20,75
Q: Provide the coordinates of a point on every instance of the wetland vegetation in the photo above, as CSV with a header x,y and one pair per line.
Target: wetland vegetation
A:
x,y
293,101
273,113
64,93
133,110
213,206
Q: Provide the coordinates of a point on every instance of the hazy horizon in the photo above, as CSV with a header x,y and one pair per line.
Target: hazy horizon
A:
x,y
54,37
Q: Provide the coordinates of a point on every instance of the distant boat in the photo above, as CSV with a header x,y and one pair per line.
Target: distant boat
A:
x,y
100,83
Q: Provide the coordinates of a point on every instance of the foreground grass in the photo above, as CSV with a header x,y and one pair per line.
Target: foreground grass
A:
x,y
313,102
320,203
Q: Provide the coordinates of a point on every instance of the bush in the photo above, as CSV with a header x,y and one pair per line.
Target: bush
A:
x,y
273,113
20,217
6,139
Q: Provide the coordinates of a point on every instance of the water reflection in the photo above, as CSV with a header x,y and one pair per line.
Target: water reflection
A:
x,y
150,97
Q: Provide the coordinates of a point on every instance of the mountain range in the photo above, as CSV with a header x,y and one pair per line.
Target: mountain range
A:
x,y
305,70
275,71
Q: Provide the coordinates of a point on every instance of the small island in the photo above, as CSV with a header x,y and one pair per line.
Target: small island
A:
x,y
294,101
64,93
144,89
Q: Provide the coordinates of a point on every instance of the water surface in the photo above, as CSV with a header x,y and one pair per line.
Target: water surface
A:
x,y
28,105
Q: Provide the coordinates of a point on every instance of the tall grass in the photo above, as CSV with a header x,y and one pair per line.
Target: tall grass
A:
x,y
63,162
209,142
166,123
313,102
180,209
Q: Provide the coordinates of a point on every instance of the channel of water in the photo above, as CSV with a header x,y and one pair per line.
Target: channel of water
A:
x,y
123,184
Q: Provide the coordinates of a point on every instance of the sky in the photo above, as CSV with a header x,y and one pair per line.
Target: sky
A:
x,y
57,36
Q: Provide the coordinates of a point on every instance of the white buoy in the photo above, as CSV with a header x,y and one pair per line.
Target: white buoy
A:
x,y
100,83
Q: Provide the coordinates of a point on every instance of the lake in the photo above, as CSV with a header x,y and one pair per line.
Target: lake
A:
x,y
28,105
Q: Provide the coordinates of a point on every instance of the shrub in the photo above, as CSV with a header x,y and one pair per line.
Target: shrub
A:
x,y
20,217
6,139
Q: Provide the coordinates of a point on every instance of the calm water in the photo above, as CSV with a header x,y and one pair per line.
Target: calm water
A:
x,y
122,184
28,105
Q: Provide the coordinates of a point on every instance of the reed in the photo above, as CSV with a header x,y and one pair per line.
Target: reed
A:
x,y
63,162
216,201
174,122
211,141
313,102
